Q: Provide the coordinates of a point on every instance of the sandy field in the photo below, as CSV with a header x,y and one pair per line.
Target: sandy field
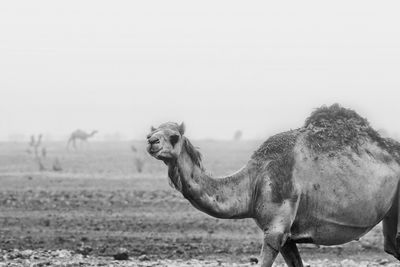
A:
x,y
100,204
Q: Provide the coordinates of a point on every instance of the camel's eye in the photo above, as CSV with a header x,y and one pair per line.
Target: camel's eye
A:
x,y
174,139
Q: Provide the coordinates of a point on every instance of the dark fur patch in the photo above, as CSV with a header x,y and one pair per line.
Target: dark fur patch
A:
x,y
324,115
329,129
305,240
333,128
174,177
193,153
278,151
173,171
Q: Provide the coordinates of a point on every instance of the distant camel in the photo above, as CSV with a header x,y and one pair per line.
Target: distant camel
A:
x,y
328,183
81,135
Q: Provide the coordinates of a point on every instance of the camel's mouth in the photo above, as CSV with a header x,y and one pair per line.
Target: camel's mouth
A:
x,y
154,152
159,154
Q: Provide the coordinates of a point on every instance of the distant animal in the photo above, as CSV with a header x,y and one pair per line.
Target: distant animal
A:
x,y
79,135
327,183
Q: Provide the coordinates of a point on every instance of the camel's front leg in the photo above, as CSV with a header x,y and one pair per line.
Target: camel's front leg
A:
x,y
276,232
291,254
271,247
268,255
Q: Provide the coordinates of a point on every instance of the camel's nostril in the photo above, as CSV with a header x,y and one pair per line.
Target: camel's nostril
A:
x,y
153,141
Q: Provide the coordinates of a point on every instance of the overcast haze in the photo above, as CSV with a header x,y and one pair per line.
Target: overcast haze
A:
x,y
121,66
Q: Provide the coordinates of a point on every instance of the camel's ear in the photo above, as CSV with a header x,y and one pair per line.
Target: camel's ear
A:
x,y
152,129
182,128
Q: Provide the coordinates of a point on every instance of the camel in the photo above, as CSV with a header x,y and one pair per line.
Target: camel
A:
x,y
81,135
327,183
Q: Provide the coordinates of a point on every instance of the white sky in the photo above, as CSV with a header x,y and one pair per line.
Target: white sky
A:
x,y
259,66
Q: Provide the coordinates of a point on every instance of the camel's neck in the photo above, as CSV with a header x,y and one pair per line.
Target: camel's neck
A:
x,y
228,197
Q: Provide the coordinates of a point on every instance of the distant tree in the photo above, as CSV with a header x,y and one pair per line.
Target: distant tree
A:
x,y
139,162
57,165
238,135
138,159
44,152
35,144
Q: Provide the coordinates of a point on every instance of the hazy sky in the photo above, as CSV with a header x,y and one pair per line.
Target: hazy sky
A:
x,y
259,66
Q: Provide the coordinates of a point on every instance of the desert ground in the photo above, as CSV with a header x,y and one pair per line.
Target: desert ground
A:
x,y
100,204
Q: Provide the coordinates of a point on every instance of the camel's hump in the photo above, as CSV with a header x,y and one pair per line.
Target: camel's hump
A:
x,y
335,127
325,130
328,129
325,116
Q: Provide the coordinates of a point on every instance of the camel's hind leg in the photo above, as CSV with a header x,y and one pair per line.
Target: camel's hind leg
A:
x,y
391,229
291,254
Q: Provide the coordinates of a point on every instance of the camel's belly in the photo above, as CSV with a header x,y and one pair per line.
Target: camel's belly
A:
x,y
334,223
329,234
341,198
330,219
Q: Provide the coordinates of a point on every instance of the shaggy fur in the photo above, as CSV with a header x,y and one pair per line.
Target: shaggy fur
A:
x,y
329,129
174,177
333,128
324,114
194,154
173,171
278,151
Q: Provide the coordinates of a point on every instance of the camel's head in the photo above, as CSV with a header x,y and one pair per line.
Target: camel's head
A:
x,y
165,142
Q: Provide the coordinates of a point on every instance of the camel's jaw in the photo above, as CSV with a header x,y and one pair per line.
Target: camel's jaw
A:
x,y
154,152
160,154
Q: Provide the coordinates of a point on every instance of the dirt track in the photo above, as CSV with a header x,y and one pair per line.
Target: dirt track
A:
x,y
54,214
36,258
99,202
